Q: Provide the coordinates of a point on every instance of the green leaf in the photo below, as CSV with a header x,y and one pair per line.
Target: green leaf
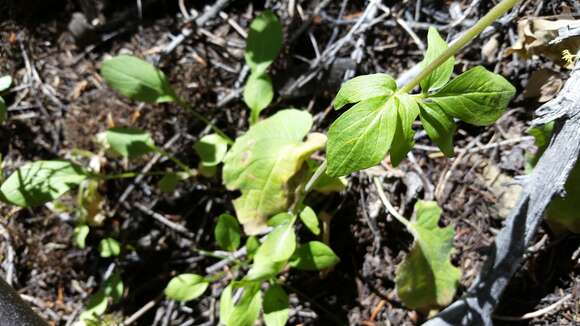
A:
x,y
326,184
130,142
403,142
186,287
363,88
80,234
273,253
96,307
247,309
3,110
227,232
426,279
211,149
137,79
262,163
252,245
226,304
439,126
258,94
264,42
361,137
439,77
39,182
308,217
276,306
170,180
109,247
5,82
477,96
113,287
279,219
313,256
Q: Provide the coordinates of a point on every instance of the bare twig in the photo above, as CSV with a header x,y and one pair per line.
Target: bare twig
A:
x,y
544,311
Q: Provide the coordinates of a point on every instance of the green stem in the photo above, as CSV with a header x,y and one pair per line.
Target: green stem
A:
x,y
205,120
175,160
469,35
308,187
387,203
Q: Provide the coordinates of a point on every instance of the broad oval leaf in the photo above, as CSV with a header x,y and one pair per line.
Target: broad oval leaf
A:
x,y
227,232
364,87
272,255
5,82
40,182
137,79
186,287
313,256
264,42
361,137
403,141
279,219
276,306
130,142
426,279
109,247
258,94
262,162
309,218
439,126
477,96
440,75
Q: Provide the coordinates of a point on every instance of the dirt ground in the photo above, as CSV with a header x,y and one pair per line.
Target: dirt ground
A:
x,y
59,103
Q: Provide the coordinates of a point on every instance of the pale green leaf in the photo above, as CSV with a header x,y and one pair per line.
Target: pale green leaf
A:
x,y
426,279
5,82
226,304
361,137
439,77
137,79
438,125
308,217
40,182
80,234
276,306
279,219
313,256
264,269
363,88
477,96
264,42
211,149
246,311
186,287
252,245
109,247
274,252
96,307
403,142
130,142
262,163
258,94
227,232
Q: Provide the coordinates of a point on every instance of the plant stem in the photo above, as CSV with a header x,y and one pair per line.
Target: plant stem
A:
x,y
175,160
126,175
387,203
469,35
307,188
205,120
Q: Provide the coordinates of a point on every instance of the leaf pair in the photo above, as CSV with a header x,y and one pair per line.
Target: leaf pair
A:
x,y
245,312
262,46
381,120
264,164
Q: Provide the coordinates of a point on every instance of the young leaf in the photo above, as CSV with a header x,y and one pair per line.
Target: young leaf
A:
x,y
130,142
3,110
363,88
313,256
252,245
5,82
226,304
40,182
258,94
308,217
426,278
361,137
477,96
227,232
276,306
273,253
439,77
96,307
211,149
263,43
186,287
80,234
262,162
407,111
246,311
279,219
113,287
137,79
439,126
109,247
